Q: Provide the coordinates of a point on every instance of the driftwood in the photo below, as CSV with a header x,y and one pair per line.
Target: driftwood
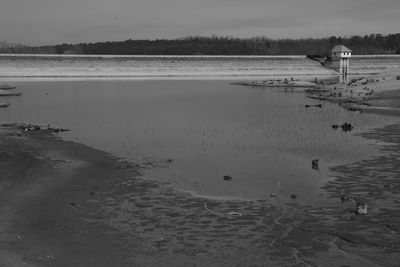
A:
x,y
369,108
6,87
5,93
28,127
279,83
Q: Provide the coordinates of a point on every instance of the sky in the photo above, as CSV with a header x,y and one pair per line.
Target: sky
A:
x,y
40,22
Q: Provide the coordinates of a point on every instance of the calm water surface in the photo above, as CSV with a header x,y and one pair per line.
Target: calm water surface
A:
x,y
264,138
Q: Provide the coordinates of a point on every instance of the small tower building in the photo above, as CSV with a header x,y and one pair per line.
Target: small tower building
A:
x,y
339,60
340,52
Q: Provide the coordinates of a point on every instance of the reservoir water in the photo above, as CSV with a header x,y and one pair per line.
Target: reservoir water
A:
x,y
189,67
198,131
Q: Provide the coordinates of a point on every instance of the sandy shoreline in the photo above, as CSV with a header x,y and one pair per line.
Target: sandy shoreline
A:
x,y
47,185
65,204
378,93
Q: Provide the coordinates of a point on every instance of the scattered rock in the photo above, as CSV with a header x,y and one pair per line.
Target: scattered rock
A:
x,y
314,164
56,129
346,127
28,127
293,196
361,208
234,213
227,178
73,204
343,197
317,106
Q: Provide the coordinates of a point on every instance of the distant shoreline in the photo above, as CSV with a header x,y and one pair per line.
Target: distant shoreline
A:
x,y
181,56
148,56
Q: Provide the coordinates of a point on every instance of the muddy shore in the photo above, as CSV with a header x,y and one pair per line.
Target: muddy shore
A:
x,y
378,93
65,204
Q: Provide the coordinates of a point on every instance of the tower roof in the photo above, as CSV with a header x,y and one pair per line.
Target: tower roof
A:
x,y
340,49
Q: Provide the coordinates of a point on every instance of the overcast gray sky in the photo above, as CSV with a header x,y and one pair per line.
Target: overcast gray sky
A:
x,y
54,21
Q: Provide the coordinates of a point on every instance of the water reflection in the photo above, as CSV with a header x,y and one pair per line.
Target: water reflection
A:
x,y
344,78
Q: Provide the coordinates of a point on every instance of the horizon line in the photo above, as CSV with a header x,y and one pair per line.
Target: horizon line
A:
x,y
177,56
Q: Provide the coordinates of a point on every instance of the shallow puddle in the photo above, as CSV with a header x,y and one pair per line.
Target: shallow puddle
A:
x,y
197,132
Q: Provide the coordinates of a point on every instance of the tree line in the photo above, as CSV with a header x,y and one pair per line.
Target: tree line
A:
x,y
216,45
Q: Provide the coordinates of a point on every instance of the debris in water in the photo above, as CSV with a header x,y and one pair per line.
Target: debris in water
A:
x,y
314,164
56,129
6,87
3,92
316,106
227,178
346,127
28,127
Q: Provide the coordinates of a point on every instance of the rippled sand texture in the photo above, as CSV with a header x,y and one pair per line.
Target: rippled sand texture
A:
x,y
68,204
286,232
283,233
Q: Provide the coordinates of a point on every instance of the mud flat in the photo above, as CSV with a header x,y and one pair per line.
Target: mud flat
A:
x,y
286,83
377,94
65,204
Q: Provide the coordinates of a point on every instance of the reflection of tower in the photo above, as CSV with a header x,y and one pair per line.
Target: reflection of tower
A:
x,y
340,57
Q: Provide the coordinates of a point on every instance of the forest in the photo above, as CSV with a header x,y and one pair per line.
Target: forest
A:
x,y
216,45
